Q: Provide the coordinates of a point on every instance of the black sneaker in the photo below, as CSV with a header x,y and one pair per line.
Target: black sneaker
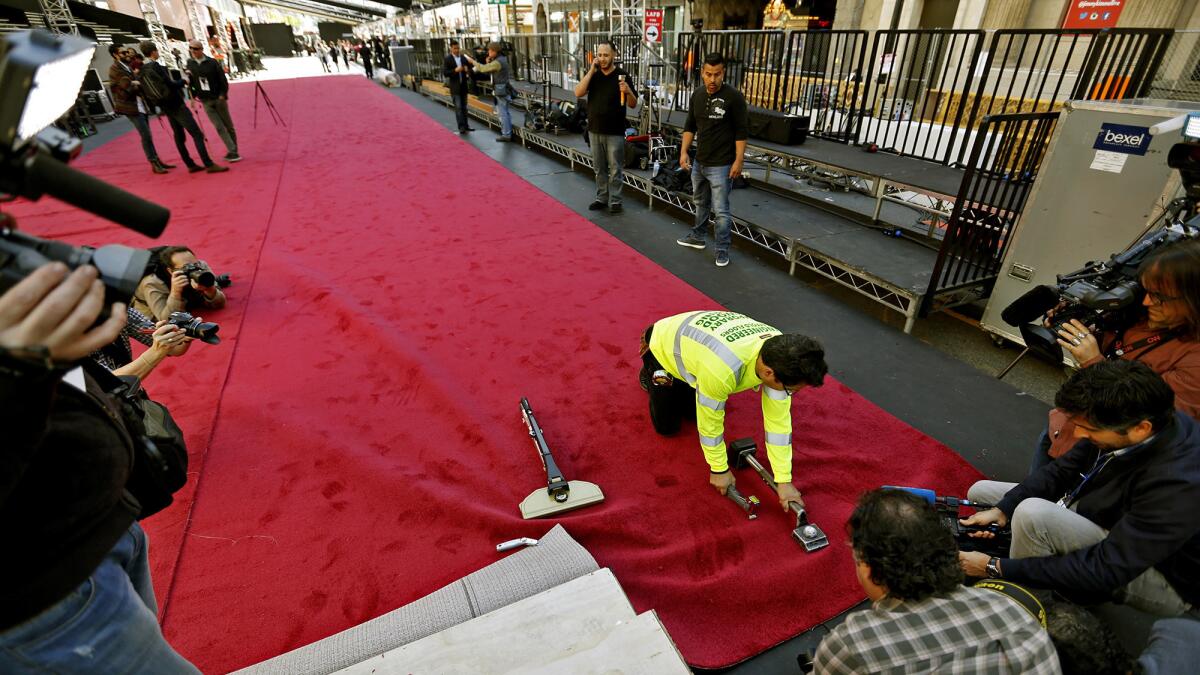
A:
x,y
615,209
691,241
504,139
596,206
233,157
195,168
644,378
216,168
722,258
165,165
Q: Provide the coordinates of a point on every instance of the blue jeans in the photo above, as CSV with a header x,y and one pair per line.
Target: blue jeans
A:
x,y
1041,455
608,158
502,103
141,122
710,194
1174,646
107,624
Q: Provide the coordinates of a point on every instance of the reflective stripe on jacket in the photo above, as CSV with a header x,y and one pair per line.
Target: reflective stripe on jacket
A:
x,y
716,352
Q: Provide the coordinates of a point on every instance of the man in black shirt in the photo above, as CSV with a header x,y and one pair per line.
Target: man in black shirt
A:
x,y
608,95
211,87
719,120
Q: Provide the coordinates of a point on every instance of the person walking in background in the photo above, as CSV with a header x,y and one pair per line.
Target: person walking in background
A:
x,y
345,56
324,56
501,72
211,87
365,55
608,95
333,56
719,121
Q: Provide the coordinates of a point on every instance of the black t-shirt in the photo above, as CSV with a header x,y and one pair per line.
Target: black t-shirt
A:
x,y
718,121
606,115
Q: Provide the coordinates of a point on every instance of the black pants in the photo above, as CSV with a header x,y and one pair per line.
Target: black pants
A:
x,y
670,404
181,119
460,108
369,67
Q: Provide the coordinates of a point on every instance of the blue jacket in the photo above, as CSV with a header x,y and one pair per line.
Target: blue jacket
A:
x,y
1146,499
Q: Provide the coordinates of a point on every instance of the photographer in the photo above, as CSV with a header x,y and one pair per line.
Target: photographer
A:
x,y
185,293
162,339
1167,339
922,619
77,595
1115,517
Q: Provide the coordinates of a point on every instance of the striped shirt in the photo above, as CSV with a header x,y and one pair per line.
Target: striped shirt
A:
x,y
968,630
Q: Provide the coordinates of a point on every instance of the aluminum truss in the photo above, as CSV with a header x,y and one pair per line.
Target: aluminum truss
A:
x,y
58,17
197,26
471,14
158,34
625,16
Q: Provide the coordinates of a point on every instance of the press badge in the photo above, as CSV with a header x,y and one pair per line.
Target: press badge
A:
x,y
204,84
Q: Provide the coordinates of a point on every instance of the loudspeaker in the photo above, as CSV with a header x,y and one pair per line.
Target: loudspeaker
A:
x,y
97,104
776,127
92,81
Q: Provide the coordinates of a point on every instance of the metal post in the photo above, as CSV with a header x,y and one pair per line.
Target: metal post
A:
x,y
58,17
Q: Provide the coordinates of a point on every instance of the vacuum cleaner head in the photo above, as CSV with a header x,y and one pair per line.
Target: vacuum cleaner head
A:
x,y
578,494
560,495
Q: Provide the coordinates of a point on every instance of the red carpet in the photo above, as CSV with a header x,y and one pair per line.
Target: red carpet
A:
x,y
358,434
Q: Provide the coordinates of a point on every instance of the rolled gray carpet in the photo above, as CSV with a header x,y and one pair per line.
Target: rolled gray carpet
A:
x,y
556,559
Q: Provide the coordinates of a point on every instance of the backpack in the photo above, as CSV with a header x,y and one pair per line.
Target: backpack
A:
x,y
154,84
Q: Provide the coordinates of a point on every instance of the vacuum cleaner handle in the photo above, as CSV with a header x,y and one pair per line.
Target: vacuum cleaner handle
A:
x,y
556,485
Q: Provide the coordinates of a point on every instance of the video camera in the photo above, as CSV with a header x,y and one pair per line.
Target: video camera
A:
x,y
1107,295
949,509
40,78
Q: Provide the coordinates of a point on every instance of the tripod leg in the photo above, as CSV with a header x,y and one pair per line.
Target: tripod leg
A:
x,y
1013,364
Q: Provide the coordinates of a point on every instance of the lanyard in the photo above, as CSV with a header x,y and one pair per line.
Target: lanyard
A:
x,y
1101,462
1119,348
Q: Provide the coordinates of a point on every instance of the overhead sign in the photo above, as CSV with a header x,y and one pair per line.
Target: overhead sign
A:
x,y
497,2
654,24
1093,13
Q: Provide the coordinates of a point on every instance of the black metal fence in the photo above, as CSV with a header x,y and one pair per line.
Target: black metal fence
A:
x,y
823,77
922,93
1003,165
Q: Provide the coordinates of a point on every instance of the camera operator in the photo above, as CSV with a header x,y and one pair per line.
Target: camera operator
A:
x,y
1115,517
77,594
921,618
155,298
1167,339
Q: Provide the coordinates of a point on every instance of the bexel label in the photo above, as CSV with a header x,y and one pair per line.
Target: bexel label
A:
x,y
1123,138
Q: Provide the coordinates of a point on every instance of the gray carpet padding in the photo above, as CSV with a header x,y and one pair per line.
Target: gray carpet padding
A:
x,y
556,559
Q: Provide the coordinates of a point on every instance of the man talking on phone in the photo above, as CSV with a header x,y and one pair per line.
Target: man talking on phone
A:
x,y
608,93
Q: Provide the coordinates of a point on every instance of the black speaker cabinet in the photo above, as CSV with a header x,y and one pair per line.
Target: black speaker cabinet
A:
x,y
776,127
97,103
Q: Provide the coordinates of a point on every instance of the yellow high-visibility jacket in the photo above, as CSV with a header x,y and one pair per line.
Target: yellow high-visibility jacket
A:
x,y
715,352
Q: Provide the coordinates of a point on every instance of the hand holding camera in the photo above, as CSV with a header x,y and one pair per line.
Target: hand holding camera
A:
x,y
50,315
170,339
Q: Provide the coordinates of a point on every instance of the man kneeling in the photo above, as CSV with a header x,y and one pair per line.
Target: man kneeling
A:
x,y
1114,518
922,619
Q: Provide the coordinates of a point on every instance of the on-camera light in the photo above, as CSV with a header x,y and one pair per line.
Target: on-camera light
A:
x,y
1191,128
40,76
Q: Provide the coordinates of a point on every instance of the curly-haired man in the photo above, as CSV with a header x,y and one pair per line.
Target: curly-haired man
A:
x,y
922,619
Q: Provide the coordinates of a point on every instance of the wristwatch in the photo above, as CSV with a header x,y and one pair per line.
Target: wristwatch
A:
x,y
993,568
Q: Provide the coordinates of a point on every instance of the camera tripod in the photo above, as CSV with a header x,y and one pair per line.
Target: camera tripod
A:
x,y
259,91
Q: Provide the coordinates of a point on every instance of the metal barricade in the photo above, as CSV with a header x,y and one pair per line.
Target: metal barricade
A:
x,y
1004,163
915,76
753,63
823,77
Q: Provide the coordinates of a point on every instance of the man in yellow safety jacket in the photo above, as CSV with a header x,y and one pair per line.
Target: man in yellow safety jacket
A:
x,y
693,362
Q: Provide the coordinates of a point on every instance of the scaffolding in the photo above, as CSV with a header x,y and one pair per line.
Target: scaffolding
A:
x,y
625,16
58,17
197,25
471,15
158,34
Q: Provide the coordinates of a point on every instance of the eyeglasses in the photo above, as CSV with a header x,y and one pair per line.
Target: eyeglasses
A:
x,y
1160,298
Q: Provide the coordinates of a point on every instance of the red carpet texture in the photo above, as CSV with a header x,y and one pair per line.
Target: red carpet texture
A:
x,y
356,438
